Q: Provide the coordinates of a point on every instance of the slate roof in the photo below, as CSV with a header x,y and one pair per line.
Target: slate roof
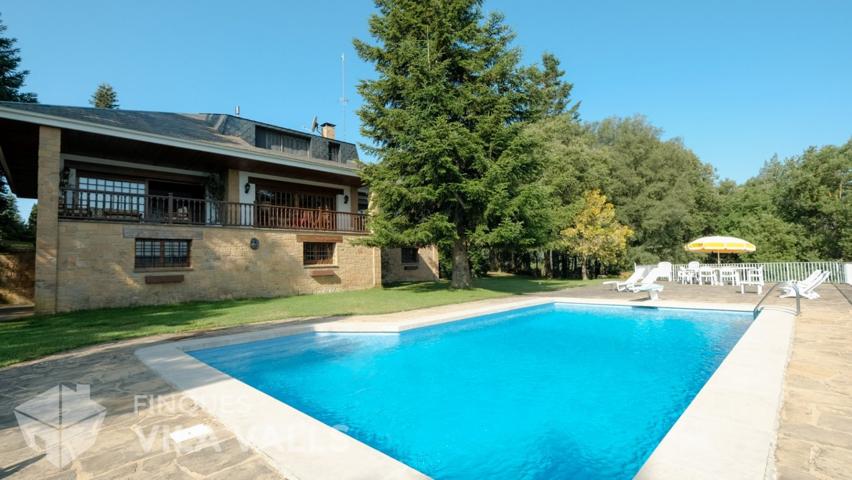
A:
x,y
203,127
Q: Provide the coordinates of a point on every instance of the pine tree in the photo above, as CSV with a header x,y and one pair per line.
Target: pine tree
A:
x,y
549,93
11,226
12,79
448,103
104,97
32,222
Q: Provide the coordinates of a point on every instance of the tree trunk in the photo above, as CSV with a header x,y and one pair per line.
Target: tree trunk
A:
x,y
461,265
584,268
548,264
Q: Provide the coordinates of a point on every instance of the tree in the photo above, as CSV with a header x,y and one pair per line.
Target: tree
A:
x,y
447,106
549,93
596,234
12,79
815,192
795,209
32,222
104,97
660,189
11,227
749,211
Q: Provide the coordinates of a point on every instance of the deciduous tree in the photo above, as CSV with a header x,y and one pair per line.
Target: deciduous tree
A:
x,y
595,233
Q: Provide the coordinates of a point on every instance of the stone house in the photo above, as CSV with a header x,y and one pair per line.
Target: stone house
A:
x,y
150,207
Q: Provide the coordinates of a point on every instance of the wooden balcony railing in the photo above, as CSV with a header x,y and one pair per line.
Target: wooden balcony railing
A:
x,y
169,209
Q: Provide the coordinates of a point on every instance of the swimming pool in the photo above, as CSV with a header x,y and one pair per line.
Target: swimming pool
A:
x,y
552,391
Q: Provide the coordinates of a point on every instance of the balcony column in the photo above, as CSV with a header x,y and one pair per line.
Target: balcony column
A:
x,y
47,226
232,196
353,199
232,188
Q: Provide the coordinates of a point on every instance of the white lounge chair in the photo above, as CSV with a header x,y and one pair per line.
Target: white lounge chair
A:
x,y
631,280
802,283
648,285
649,279
805,288
787,287
653,290
665,270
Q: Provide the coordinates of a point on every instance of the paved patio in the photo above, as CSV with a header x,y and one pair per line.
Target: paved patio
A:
x,y
814,440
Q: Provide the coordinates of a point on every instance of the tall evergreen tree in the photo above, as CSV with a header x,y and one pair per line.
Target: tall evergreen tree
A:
x,y
32,222
449,102
549,93
12,79
104,97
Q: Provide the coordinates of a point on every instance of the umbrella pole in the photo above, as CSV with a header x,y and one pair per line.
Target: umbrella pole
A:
x,y
718,258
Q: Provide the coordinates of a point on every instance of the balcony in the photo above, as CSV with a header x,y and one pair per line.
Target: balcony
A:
x,y
172,210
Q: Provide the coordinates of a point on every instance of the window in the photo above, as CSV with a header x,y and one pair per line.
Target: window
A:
x,y
156,253
334,151
280,141
409,255
111,194
318,253
363,202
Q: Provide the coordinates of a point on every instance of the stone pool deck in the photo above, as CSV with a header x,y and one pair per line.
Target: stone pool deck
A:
x,y
814,440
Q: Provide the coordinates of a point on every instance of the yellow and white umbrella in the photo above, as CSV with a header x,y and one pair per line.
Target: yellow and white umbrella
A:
x,y
720,245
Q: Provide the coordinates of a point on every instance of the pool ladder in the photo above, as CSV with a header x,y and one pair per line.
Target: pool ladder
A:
x,y
766,295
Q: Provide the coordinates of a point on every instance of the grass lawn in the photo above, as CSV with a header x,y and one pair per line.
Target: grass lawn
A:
x,y
15,246
37,336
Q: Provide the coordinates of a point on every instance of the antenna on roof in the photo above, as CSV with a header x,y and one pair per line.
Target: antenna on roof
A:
x,y
237,111
343,99
314,124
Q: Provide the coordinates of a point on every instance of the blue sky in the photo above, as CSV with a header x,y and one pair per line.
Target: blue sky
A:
x,y
739,81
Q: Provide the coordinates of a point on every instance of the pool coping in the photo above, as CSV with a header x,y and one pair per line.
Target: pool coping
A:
x,y
727,431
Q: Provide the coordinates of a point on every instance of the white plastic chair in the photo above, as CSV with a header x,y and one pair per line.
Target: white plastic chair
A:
x,y
665,269
729,274
706,274
753,277
688,274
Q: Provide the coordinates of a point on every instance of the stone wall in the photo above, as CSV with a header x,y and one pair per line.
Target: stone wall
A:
x,y
17,277
425,270
96,265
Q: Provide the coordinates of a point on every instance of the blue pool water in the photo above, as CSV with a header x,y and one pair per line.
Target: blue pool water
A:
x,y
547,392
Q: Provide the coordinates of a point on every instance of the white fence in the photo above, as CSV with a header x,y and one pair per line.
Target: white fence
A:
x,y
774,272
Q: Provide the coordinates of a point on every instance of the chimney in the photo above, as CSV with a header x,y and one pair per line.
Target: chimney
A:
x,y
328,130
